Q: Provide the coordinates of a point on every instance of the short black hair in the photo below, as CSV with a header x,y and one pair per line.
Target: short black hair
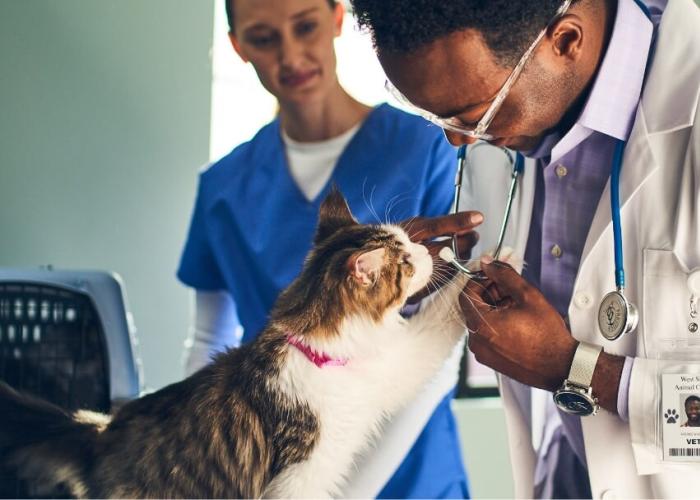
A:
x,y
508,26
691,399
229,11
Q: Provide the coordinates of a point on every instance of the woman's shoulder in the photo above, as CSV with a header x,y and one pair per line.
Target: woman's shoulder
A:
x,y
243,157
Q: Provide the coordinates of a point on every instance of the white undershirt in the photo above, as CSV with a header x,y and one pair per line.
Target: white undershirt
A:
x,y
311,164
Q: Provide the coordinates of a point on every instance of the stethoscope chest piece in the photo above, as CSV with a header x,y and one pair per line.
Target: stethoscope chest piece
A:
x,y
616,316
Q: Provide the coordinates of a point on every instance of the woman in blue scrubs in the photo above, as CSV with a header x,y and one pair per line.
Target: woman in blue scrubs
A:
x,y
257,208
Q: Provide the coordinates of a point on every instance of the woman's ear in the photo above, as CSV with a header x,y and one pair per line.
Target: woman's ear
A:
x,y
366,266
237,46
338,16
334,214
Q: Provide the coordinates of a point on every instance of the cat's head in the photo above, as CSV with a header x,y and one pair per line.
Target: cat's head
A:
x,y
353,269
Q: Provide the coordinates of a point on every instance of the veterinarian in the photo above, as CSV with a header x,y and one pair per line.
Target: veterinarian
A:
x,y
607,77
256,213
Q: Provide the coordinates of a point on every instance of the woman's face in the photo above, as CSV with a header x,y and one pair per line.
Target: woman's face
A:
x,y
290,45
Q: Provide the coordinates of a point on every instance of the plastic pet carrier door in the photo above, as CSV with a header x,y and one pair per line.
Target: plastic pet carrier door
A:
x,y
66,336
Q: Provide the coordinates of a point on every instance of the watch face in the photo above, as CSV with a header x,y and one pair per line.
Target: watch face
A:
x,y
574,402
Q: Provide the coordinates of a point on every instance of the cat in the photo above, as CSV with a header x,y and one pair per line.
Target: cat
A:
x,y
282,416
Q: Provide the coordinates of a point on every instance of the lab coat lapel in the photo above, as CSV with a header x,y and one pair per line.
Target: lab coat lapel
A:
x,y
637,165
646,146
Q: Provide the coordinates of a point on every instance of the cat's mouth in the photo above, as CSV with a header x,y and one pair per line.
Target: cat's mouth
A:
x,y
423,271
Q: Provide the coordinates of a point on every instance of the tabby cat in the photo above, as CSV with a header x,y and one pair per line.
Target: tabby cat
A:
x,y
282,416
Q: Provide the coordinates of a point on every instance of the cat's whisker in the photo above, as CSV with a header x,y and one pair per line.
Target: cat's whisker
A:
x,y
369,204
395,200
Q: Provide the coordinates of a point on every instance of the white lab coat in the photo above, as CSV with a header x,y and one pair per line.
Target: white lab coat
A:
x,y
660,200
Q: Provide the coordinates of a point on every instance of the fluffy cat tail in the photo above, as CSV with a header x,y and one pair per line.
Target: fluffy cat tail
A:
x,y
46,445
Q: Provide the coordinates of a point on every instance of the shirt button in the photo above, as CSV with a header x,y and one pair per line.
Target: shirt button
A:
x,y
556,251
583,300
561,171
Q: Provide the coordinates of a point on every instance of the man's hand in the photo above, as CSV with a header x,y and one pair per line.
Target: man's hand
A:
x,y
514,330
425,229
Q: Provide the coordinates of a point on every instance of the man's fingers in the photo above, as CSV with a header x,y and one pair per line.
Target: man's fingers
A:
x,y
507,279
426,228
473,305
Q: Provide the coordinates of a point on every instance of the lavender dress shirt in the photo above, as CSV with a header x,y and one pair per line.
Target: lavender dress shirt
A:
x,y
572,173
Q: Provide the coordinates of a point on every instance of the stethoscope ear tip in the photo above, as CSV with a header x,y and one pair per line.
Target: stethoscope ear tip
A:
x,y
447,255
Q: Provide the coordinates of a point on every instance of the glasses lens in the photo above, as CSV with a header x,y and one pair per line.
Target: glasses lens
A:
x,y
452,124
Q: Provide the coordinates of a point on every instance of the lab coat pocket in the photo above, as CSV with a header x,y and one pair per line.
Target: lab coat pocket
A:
x,y
665,312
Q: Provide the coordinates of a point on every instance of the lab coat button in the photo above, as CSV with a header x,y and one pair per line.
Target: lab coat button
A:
x,y
608,495
583,300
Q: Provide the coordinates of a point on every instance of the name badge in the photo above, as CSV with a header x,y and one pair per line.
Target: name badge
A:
x,y
680,417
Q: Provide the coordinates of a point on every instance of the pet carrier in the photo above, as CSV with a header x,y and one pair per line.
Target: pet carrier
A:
x,y
67,337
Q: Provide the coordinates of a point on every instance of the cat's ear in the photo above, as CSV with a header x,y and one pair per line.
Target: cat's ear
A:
x,y
333,215
366,266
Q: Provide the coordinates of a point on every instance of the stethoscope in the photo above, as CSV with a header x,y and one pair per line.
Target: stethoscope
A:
x,y
517,162
617,316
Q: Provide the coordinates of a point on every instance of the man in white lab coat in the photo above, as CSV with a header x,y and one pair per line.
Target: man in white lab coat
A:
x,y
605,75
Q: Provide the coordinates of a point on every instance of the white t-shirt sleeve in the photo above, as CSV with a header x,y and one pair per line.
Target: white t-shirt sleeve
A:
x,y
214,326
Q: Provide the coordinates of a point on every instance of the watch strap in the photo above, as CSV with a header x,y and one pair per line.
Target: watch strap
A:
x,y
583,364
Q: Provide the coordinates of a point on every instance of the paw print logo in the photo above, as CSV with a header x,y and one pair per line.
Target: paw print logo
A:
x,y
671,416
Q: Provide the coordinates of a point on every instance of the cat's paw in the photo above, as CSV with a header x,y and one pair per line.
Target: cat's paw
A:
x,y
507,255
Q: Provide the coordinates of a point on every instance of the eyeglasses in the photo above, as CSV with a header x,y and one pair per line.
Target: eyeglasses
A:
x,y
453,123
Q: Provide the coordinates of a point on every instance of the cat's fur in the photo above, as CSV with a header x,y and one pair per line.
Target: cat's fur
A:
x,y
264,420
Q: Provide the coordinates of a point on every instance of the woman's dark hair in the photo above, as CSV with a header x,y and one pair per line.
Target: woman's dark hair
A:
x,y
508,26
229,10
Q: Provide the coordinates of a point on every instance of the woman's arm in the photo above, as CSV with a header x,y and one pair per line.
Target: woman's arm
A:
x,y
214,326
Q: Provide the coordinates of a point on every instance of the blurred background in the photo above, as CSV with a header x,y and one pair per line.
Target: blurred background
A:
x,y
109,108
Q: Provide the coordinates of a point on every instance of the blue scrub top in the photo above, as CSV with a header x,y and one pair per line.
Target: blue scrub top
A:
x,y
252,227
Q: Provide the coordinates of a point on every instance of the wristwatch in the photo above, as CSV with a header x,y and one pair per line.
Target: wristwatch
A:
x,y
575,395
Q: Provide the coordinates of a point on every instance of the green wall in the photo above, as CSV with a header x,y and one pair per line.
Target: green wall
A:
x,y
104,122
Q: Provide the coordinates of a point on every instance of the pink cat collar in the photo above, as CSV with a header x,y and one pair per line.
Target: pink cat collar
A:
x,y
319,360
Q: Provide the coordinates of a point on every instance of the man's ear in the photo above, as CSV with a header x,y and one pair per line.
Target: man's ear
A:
x,y
333,215
366,266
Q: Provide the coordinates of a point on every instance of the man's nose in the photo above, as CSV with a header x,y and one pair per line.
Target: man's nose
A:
x,y
457,139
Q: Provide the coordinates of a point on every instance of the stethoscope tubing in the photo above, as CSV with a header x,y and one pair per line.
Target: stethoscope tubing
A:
x,y
615,210
517,163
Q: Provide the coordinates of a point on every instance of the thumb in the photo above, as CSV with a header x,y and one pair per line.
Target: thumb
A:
x,y
507,279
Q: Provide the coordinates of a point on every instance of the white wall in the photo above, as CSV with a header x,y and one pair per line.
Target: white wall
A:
x,y
104,121
482,430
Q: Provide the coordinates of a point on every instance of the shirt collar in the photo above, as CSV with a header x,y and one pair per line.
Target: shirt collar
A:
x,y
611,106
